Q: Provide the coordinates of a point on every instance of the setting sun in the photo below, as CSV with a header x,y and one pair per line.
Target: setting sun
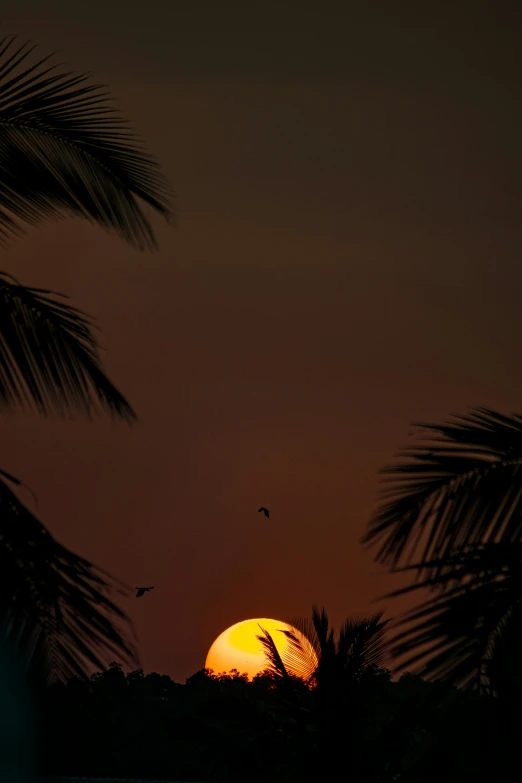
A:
x,y
239,648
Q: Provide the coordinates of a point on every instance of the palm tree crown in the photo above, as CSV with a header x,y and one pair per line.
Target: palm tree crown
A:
x,y
320,656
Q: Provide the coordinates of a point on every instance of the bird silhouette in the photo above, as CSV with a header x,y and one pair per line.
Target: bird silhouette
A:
x,y
142,590
265,511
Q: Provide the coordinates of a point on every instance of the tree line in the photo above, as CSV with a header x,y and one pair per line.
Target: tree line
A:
x,y
222,727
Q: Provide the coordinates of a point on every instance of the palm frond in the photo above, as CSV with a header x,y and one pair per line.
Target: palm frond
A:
x,y
305,626
502,667
361,643
317,655
55,606
18,483
453,634
323,632
49,357
299,656
463,486
65,151
275,663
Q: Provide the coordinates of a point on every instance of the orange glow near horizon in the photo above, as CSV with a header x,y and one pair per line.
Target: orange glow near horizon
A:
x,y
239,648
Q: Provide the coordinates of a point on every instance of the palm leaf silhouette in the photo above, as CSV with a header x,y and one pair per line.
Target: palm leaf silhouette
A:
x,y
462,487
361,643
65,151
297,660
275,662
55,606
456,634
319,656
299,656
49,357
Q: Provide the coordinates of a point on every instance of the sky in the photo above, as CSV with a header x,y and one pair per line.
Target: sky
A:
x,y
345,262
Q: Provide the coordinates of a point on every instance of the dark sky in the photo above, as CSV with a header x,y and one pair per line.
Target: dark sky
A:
x,y
347,260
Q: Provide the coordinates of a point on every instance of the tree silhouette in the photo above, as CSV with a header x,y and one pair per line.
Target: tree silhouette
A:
x,y
330,710
322,658
49,358
460,633
55,604
64,151
463,486
226,728
456,505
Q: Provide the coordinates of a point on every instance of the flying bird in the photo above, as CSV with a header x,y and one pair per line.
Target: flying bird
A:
x,y
142,590
265,511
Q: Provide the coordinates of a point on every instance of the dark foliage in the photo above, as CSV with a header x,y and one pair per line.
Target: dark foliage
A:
x,y
452,513
462,487
64,150
226,729
56,609
466,630
49,358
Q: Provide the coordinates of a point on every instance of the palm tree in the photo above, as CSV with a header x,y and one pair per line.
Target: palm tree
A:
x,y
452,513
323,659
64,151
330,711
